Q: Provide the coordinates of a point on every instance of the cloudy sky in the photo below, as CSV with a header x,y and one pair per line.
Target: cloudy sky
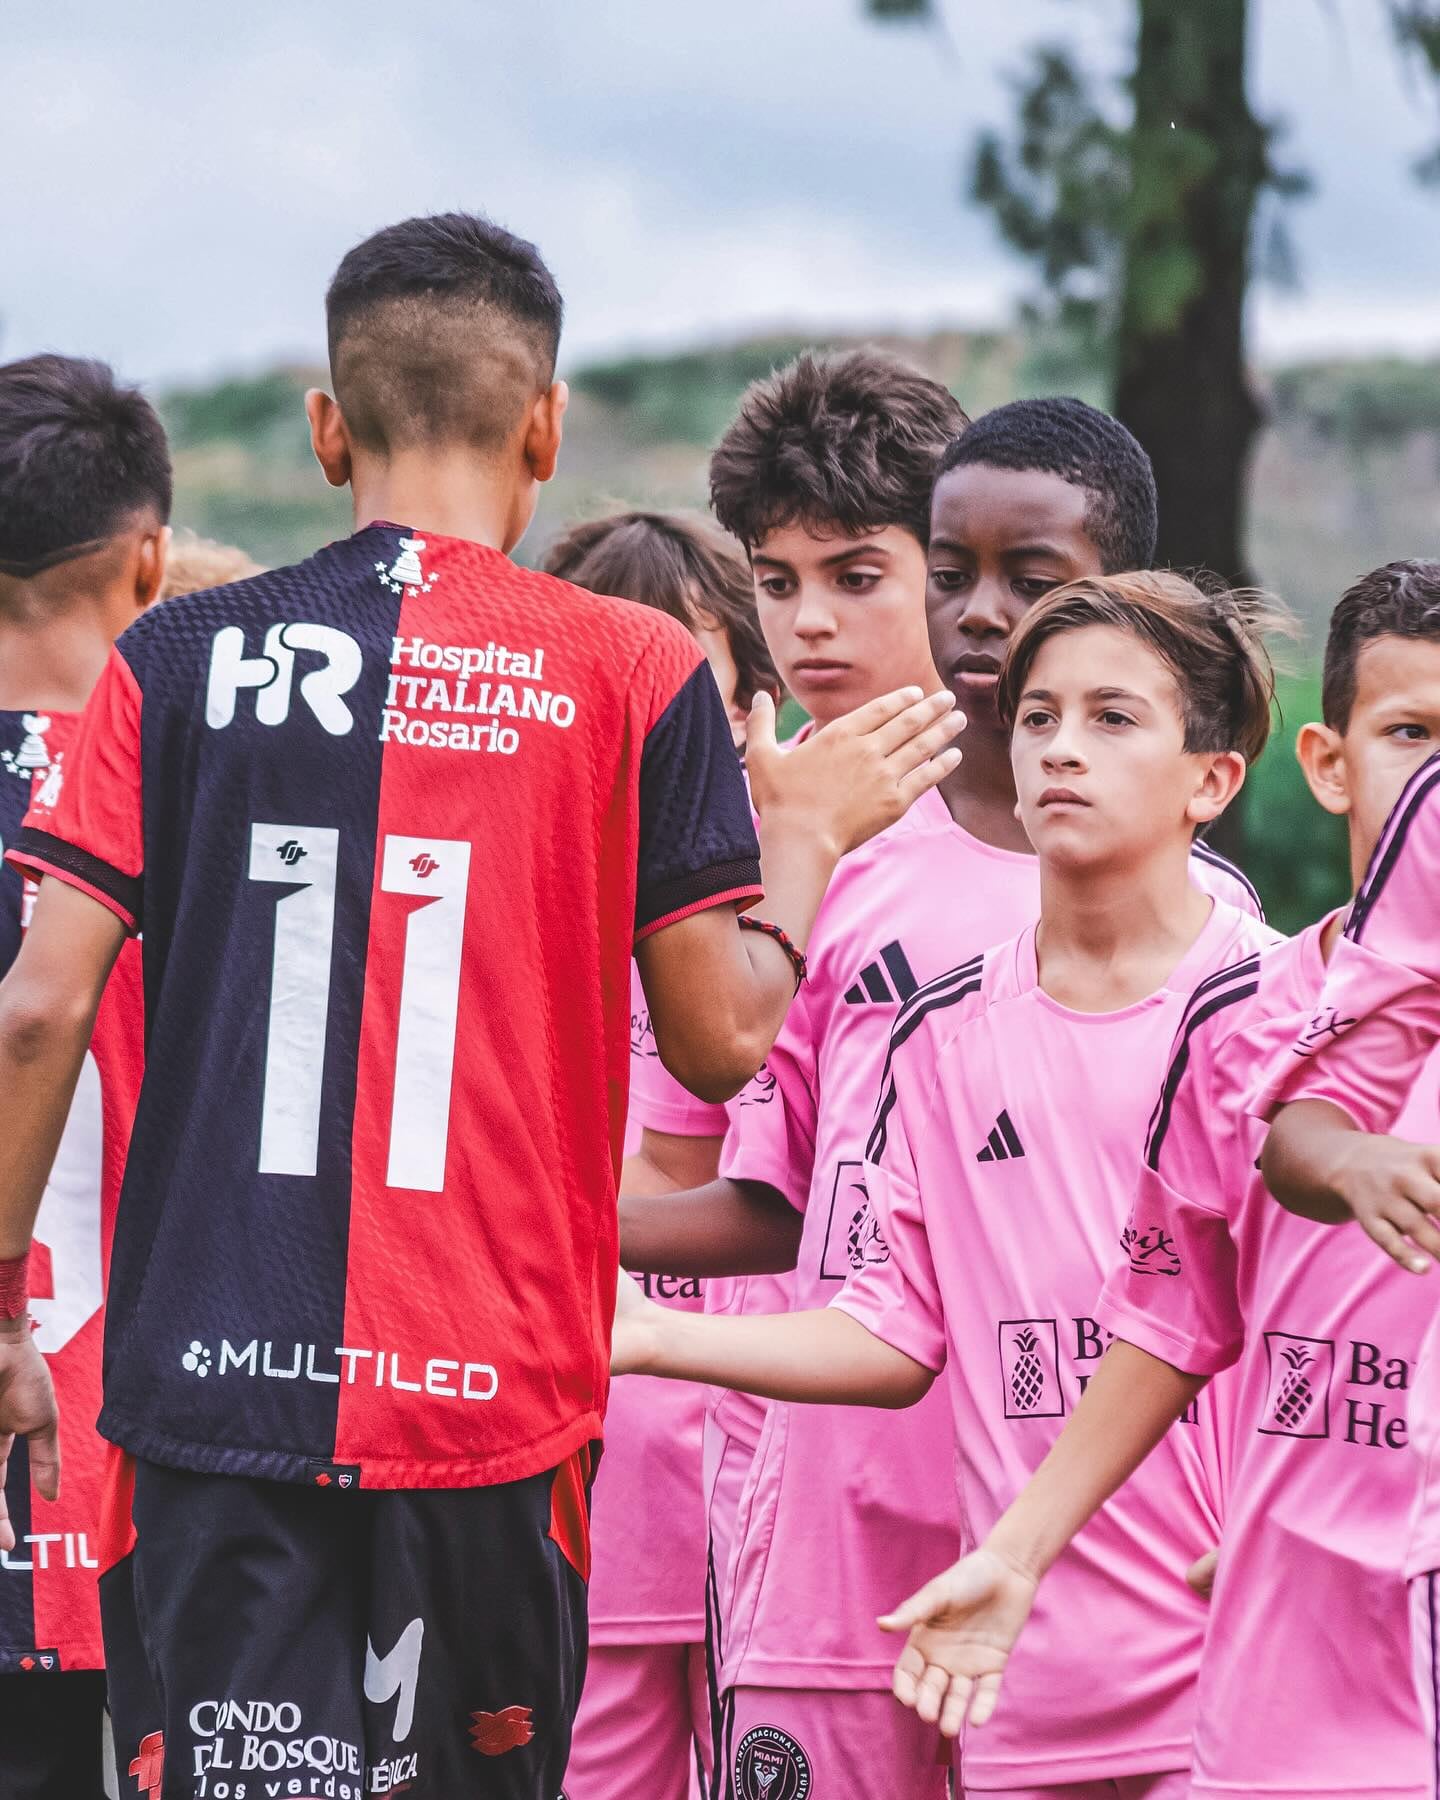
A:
x,y
177,180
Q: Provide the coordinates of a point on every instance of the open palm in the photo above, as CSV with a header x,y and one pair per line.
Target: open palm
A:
x,y
963,1626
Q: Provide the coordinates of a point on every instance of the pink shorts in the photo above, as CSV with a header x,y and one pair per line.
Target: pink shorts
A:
x,y
643,1725
828,1743
1174,1786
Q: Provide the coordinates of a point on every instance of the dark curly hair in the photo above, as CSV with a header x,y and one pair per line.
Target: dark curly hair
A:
x,y
1085,447
682,565
1400,600
845,442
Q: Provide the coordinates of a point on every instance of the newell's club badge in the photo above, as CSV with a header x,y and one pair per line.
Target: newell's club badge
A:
x,y
770,1765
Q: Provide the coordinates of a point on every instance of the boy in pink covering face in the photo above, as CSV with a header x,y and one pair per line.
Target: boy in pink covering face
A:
x,y
1112,784
644,1719
1318,1485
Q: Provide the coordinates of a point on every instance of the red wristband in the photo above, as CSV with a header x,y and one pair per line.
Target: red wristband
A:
x,y
14,1286
798,960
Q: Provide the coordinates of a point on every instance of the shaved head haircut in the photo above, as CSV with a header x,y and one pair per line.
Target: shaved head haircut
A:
x,y
442,331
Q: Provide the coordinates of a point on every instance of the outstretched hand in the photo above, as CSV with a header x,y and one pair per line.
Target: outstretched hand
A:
x,y
27,1409
963,1626
861,773
1393,1189
630,1343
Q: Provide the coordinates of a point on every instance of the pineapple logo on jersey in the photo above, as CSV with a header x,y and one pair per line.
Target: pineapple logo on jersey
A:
x,y
405,575
1030,1369
1297,1401
33,757
771,1765
864,1242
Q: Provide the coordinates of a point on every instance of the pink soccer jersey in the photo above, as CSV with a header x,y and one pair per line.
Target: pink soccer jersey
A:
x,y
647,1582
1000,1166
1320,1484
848,1508
1365,1046
845,1509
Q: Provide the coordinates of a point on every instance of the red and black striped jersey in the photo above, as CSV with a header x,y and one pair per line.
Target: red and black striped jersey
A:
x,y
49,1606
391,821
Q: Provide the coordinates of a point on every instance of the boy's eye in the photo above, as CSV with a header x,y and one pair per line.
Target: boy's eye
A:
x,y
1033,587
950,581
858,581
776,586
1409,734
1111,717
1035,717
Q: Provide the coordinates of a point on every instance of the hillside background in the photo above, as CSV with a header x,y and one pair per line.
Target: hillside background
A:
x,y
1347,476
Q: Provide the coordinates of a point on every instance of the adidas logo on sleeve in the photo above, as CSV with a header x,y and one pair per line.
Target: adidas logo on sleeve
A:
x,y
873,989
1003,1142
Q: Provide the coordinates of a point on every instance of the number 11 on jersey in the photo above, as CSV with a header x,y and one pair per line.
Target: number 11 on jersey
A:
x,y
433,870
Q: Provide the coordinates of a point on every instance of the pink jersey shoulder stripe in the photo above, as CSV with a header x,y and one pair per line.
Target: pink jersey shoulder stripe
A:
x,y
944,990
1227,987
1387,852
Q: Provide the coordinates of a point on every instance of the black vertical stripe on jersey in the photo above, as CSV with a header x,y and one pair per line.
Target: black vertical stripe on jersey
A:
x,y
17,1585
944,990
1392,842
273,1270
1244,980
14,803
901,973
874,983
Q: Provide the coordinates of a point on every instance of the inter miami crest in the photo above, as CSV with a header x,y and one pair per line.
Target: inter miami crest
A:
x,y
770,1765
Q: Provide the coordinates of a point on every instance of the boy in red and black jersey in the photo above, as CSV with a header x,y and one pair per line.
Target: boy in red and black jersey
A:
x,y
392,821
84,499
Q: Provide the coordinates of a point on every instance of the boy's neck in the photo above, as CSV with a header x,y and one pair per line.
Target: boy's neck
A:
x,y
50,664
980,793
451,493
1110,938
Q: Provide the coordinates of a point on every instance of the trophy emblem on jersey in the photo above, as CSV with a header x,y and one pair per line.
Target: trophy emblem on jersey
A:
x,y
406,574
32,756
49,794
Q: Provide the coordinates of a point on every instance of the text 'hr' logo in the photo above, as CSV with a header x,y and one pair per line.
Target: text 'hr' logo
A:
x,y
271,675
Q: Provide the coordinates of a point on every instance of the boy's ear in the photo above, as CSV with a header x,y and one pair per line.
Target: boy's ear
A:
x,y
154,553
1320,751
1221,779
329,438
545,430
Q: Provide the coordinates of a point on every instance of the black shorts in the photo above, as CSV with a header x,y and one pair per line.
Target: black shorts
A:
x,y
274,1642
52,1736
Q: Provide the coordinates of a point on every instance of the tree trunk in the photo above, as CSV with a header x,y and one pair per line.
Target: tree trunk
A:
x,y
1197,166
1198,163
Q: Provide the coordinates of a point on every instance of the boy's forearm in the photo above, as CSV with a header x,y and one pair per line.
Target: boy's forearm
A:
x,y
40,1062
823,1357
724,1228
1304,1159
1131,1402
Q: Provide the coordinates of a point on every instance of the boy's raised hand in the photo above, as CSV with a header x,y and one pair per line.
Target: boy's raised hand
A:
x,y
861,773
1393,1189
963,1626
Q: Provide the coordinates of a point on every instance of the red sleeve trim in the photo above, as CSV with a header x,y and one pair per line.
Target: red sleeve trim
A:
x,y
31,864
734,895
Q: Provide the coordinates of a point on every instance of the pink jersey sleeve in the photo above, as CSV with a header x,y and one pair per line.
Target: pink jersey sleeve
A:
x,y
1378,1016
774,1117
895,1293
657,1100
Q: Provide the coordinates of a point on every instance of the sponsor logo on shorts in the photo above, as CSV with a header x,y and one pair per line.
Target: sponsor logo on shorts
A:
x,y
41,1662
241,1749
148,1767
493,1733
770,1765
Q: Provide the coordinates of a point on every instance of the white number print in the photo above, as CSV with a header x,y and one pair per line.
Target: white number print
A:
x,y
435,871
303,857
69,1220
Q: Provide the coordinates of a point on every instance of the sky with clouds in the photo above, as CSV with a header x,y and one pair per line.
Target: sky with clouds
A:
x,y
177,181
